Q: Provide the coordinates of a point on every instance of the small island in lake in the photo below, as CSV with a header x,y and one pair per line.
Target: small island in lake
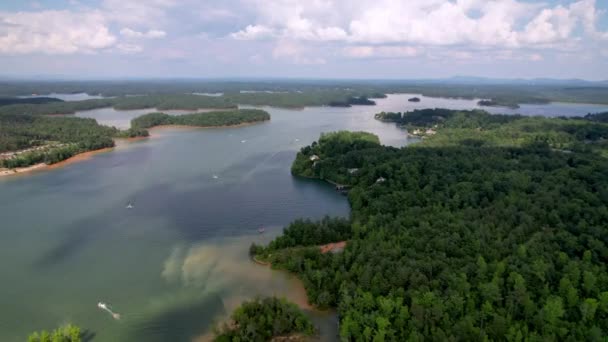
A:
x,y
414,99
495,103
208,119
353,100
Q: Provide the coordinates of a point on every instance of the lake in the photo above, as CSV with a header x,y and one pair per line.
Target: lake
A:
x,y
177,262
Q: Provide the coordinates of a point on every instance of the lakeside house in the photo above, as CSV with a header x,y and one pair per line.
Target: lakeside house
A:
x,y
381,180
353,171
430,131
314,157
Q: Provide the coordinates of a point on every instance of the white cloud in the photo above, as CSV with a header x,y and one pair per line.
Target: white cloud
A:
x,y
152,34
381,51
253,32
498,23
53,32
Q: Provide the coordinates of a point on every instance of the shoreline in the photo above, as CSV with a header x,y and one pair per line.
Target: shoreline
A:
x,y
42,166
188,127
117,141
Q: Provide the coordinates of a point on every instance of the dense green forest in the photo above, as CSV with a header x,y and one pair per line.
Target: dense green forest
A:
x,y
69,333
4,101
44,139
506,93
479,128
194,102
349,102
496,103
209,119
459,241
260,320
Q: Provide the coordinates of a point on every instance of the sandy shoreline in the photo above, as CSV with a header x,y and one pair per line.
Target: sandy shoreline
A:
x,y
42,166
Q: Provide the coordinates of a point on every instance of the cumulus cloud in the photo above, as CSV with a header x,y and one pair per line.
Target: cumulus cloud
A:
x,y
381,51
477,23
254,32
152,34
54,32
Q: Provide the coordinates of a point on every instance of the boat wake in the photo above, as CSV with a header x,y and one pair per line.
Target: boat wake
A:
x,y
105,307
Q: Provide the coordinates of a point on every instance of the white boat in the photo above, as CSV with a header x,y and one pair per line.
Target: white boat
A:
x,y
129,206
104,306
243,141
215,177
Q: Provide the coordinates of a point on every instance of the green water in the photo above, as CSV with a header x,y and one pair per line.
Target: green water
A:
x,y
177,262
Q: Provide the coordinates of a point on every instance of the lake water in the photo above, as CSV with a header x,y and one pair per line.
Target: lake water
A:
x,y
177,262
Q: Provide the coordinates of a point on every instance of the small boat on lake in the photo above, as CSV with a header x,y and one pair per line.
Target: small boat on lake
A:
x,y
104,306
261,230
130,206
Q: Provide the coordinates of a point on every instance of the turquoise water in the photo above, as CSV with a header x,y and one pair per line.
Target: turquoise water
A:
x,y
177,262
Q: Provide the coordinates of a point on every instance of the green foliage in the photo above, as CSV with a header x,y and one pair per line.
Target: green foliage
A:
x,y
209,119
68,333
352,100
291,99
477,128
312,160
598,117
462,242
43,139
4,101
263,319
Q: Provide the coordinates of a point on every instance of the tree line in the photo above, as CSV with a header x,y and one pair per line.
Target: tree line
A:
x,y
263,319
53,139
209,119
458,242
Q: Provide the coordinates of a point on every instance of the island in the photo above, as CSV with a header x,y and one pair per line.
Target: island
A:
x,y
495,103
414,99
493,228
351,101
208,119
266,319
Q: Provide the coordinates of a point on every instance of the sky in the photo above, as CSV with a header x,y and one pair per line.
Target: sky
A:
x,y
394,39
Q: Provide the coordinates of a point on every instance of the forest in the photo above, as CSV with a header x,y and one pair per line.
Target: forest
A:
x,y
262,319
477,128
449,240
208,119
322,92
193,102
68,333
50,140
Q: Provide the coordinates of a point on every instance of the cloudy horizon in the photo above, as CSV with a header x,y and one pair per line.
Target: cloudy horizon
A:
x,y
358,39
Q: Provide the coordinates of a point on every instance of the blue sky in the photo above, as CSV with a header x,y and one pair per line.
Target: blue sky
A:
x,y
313,38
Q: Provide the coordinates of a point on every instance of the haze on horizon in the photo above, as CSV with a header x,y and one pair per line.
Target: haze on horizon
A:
x,y
313,39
